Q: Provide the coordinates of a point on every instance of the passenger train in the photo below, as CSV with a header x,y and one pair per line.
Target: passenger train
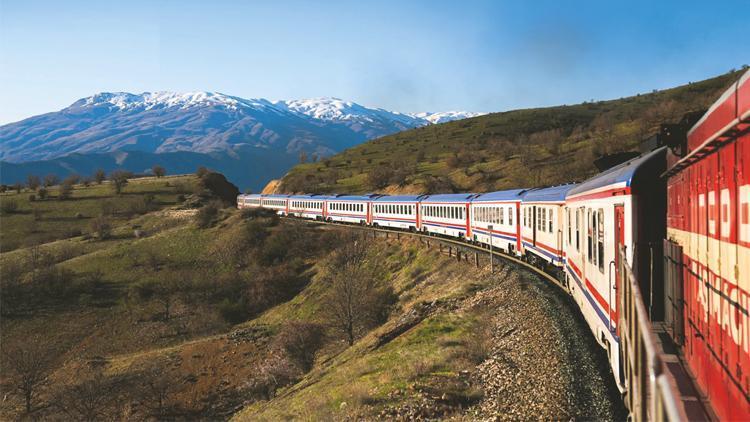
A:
x,y
677,214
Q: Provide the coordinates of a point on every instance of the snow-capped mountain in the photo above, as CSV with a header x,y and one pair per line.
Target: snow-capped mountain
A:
x,y
203,122
445,116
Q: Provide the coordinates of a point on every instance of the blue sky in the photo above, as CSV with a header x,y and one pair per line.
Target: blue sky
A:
x,y
400,55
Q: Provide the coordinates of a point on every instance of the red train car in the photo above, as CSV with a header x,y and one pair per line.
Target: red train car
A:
x,y
708,219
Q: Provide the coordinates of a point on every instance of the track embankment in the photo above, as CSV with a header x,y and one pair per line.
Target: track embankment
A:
x,y
525,353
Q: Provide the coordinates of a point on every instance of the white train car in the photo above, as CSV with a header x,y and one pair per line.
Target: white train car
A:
x,y
277,203
398,211
307,206
621,207
494,217
446,214
541,224
248,201
348,209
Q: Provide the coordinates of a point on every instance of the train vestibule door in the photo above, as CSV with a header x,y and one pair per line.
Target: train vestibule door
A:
x,y
619,243
534,219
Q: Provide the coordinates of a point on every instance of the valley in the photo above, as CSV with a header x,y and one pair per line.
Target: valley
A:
x,y
212,312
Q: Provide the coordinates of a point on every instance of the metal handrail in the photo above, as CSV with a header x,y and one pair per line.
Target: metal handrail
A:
x,y
652,394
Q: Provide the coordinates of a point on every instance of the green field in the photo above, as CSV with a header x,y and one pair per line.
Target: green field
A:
x,y
45,220
520,148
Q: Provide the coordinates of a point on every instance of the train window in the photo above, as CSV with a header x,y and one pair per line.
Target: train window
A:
x,y
600,239
589,234
567,219
539,219
510,216
501,217
550,214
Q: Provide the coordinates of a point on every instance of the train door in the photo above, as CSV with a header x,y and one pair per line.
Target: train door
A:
x,y
619,243
534,219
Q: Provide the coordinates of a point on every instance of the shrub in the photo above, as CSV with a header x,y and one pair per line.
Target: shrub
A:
x,y
72,179
101,227
206,215
201,171
42,192
380,176
66,190
233,312
32,198
300,341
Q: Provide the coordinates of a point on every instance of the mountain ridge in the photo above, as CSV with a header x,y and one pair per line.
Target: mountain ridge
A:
x,y
270,135
109,121
517,148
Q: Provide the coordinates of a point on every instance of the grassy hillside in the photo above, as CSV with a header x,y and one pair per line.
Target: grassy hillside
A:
x,y
37,220
519,148
211,313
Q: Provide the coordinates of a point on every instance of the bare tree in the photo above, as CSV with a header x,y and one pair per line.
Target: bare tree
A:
x,y
99,176
66,190
156,391
27,363
119,180
357,295
158,171
94,399
32,181
51,180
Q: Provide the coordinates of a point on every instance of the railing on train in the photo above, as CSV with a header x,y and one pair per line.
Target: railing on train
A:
x,y
652,395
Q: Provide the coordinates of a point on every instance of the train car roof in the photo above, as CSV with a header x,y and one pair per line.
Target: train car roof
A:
x,y
449,197
276,195
550,194
399,198
621,174
503,195
309,197
349,198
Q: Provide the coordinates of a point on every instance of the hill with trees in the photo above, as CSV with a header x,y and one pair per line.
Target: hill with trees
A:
x,y
520,148
158,300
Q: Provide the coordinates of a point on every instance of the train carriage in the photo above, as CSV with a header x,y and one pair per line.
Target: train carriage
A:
x,y
709,251
621,207
307,206
348,209
398,211
446,214
541,224
248,201
277,203
494,215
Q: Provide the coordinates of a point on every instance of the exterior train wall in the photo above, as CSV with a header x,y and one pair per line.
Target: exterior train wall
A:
x,y
709,218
